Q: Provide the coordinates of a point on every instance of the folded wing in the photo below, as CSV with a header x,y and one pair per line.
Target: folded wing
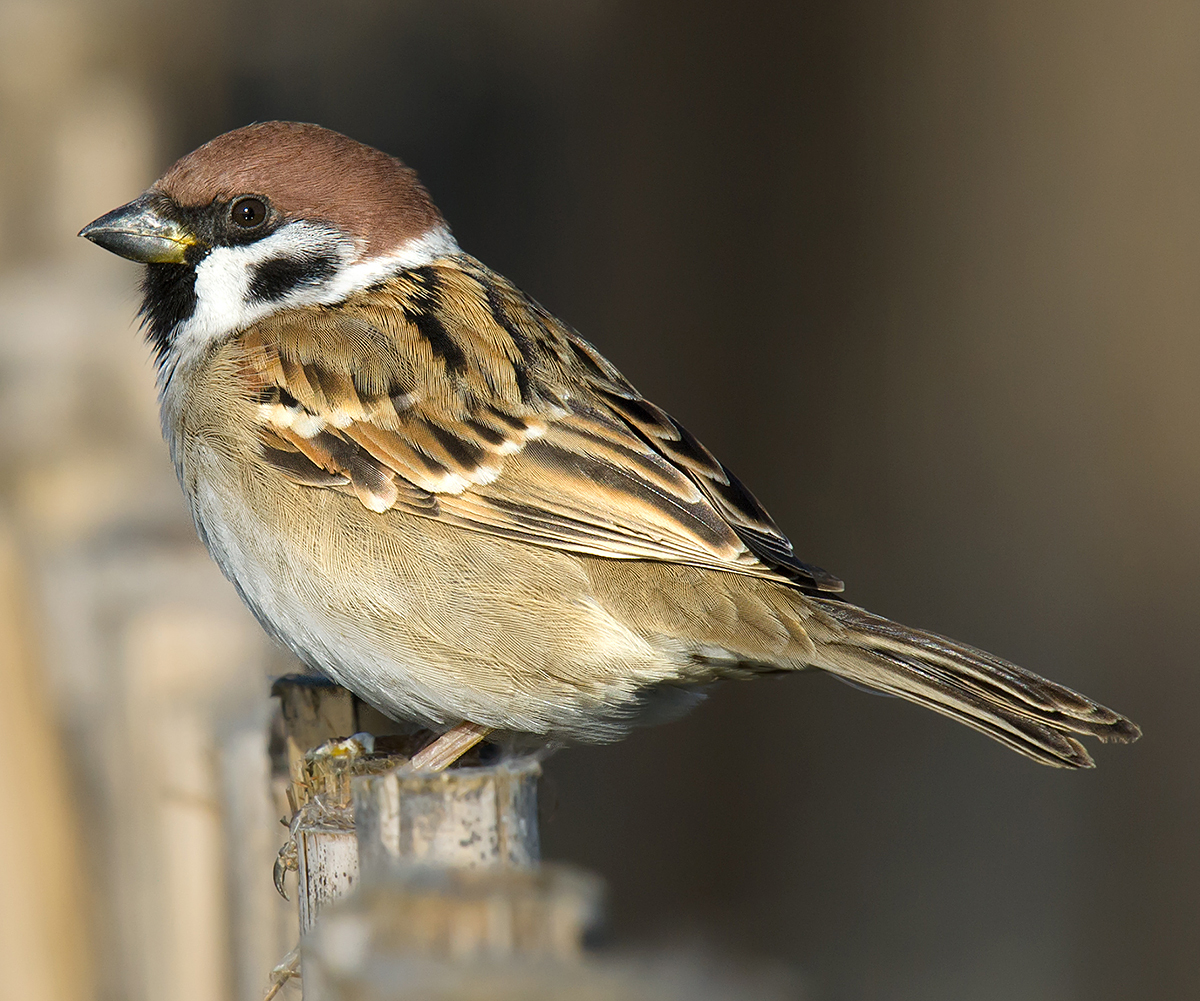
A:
x,y
446,393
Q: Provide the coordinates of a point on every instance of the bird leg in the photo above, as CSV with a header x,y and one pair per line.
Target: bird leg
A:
x,y
448,748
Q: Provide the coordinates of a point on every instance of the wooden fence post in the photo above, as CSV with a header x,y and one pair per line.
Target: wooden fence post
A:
x,y
429,884
464,817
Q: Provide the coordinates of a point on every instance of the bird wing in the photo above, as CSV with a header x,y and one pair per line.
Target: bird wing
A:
x,y
447,393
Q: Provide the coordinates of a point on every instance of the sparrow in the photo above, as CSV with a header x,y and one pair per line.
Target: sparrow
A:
x,y
443,498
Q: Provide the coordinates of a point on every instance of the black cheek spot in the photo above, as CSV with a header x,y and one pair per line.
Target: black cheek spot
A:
x,y
278,277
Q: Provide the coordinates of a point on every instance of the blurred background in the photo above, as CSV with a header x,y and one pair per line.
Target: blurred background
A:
x,y
924,275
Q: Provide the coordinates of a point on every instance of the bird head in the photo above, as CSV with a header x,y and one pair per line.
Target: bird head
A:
x,y
268,217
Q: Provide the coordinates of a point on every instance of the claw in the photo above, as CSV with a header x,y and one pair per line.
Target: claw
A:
x,y
286,861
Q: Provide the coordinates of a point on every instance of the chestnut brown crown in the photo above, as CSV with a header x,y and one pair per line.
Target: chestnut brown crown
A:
x,y
309,172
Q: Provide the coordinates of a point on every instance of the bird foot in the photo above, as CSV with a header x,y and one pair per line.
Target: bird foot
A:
x,y
287,861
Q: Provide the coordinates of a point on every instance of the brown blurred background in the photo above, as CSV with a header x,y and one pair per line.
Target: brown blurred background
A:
x,y
924,275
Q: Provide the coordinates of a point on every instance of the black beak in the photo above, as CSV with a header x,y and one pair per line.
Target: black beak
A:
x,y
142,231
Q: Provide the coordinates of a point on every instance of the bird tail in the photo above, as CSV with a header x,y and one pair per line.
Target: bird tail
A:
x,y
1016,707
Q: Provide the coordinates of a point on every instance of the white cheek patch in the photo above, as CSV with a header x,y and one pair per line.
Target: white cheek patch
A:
x,y
225,297
301,264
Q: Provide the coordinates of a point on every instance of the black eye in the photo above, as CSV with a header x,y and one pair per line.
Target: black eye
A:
x,y
248,212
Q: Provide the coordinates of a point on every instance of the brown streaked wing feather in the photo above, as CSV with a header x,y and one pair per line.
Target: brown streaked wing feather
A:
x,y
506,422
584,501
725,492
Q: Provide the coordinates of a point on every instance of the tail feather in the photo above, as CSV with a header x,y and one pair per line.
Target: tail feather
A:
x,y
1016,707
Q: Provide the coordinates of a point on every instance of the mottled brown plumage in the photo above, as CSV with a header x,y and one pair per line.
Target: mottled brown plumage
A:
x,y
441,496
446,393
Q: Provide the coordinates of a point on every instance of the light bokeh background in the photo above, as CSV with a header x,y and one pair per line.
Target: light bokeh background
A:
x,y
923,275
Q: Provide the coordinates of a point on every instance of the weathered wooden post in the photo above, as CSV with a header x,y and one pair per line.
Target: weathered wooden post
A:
x,y
319,723
355,807
419,884
449,879
481,817
446,932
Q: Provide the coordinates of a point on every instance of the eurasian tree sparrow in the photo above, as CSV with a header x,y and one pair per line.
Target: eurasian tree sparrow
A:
x,y
443,498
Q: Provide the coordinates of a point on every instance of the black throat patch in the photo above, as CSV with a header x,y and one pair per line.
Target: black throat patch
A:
x,y
168,298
